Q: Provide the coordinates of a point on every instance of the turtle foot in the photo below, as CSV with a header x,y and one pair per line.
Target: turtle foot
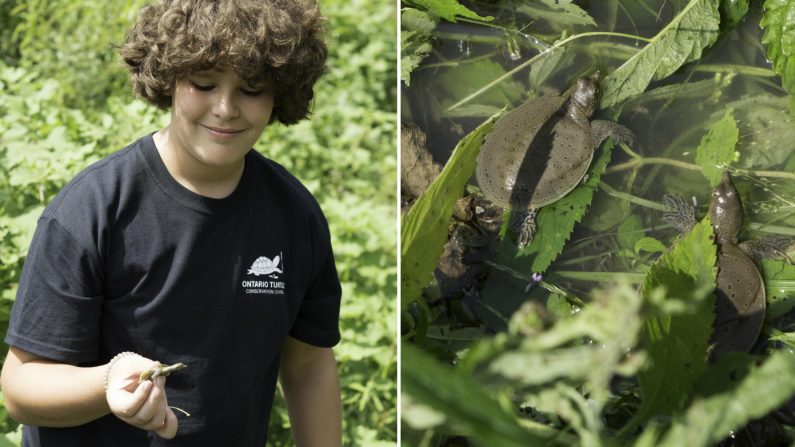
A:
x,y
523,224
679,213
768,247
601,129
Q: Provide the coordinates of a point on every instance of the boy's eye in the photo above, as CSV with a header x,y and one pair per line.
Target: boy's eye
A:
x,y
202,87
251,92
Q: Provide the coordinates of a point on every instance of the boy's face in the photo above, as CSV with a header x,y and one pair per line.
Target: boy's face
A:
x,y
216,117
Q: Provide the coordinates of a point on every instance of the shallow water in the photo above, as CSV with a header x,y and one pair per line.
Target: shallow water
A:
x,y
669,121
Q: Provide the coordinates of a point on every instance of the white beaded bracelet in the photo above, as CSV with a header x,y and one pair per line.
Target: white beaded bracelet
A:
x,y
112,362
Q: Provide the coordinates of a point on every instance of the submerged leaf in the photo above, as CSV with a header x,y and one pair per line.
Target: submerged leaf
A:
x,y
448,9
694,29
424,228
677,343
780,39
717,148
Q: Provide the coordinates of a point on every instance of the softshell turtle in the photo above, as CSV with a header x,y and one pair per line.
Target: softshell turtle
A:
x,y
740,302
541,150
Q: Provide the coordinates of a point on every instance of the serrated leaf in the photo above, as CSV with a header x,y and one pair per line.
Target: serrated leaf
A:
x,y
558,13
556,221
780,39
467,404
677,343
710,420
694,29
415,40
449,9
717,148
424,228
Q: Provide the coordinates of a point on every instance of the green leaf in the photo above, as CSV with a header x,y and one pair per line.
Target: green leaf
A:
x,y
677,342
717,148
424,229
630,232
416,27
649,245
710,420
731,12
558,13
556,221
448,10
780,39
469,407
694,29
779,286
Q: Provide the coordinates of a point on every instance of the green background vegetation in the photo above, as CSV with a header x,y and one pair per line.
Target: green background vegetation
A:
x,y
65,102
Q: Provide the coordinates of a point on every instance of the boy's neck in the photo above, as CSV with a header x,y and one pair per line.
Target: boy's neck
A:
x,y
208,181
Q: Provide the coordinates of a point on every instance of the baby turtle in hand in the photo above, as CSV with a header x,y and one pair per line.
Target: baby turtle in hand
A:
x,y
541,150
740,302
160,370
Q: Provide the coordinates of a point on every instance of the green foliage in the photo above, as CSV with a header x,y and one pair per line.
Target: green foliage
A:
x,y
677,342
683,40
716,150
448,9
64,105
424,229
780,39
561,13
415,40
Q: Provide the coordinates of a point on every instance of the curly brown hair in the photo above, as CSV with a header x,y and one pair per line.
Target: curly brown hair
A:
x,y
276,40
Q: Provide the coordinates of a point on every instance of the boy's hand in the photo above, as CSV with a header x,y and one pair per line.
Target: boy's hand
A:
x,y
141,405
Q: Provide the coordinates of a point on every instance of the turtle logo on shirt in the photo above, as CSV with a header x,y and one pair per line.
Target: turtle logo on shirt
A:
x,y
265,266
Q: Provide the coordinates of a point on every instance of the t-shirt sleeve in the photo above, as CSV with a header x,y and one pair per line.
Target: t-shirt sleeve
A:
x,y
318,317
57,310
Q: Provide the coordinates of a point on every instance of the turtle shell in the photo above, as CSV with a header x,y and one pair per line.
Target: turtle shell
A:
x,y
534,155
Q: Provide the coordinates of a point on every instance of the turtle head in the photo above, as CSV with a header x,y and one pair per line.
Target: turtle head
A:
x,y
726,211
586,92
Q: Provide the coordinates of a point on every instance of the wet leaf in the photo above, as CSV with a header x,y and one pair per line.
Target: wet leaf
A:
x,y
649,245
717,148
677,342
424,229
779,286
780,39
630,232
448,9
683,40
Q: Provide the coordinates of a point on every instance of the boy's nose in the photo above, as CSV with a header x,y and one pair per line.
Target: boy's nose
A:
x,y
226,107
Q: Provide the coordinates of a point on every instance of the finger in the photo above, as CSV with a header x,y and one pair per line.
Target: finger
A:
x,y
125,404
169,429
153,407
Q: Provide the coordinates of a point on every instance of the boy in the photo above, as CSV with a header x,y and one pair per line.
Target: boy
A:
x,y
187,247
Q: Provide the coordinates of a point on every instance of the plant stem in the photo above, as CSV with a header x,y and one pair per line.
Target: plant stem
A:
x,y
635,278
630,198
632,164
524,65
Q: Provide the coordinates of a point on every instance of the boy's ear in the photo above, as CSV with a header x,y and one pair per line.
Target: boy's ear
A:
x,y
169,91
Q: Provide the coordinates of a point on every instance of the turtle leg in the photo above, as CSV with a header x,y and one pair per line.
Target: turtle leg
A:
x,y
523,224
679,213
601,129
768,247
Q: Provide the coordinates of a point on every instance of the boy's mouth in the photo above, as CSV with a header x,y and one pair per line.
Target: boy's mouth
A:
x,y
222,132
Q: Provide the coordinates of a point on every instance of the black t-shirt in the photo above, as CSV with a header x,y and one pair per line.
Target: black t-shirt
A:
x,y
127,259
